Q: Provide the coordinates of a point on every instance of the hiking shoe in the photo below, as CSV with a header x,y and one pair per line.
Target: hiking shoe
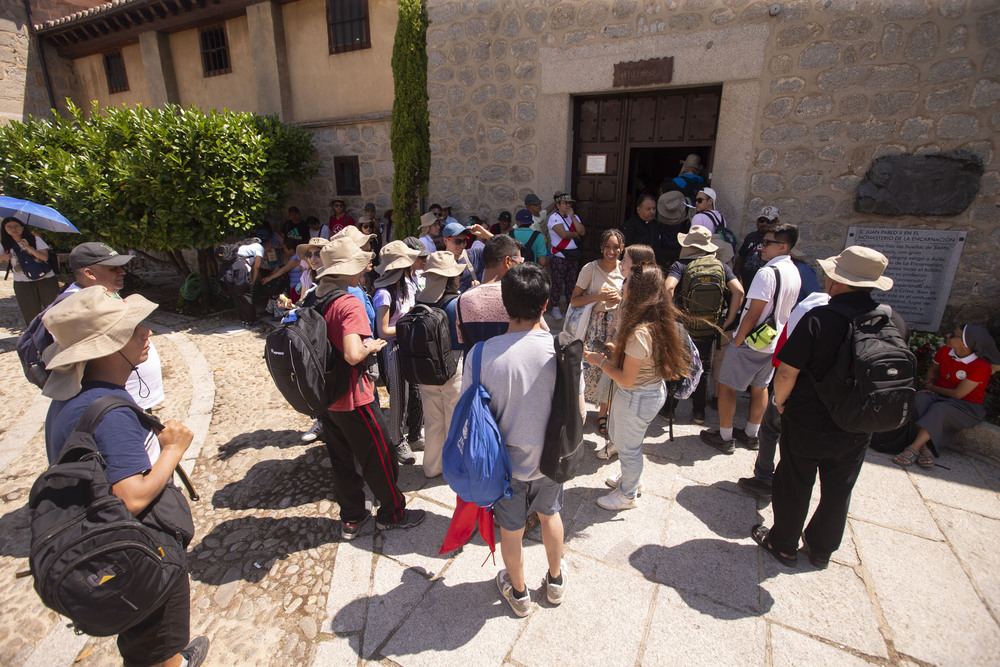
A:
x,y
313,432
616,500
416,444
753,444
607,451
755,487
553,593
404,454
521,606
556,313
714,439
351,529
615,482
409,519
196,652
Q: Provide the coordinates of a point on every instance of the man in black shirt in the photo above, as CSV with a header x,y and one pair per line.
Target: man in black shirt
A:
x,y
810,439
748,259
644,228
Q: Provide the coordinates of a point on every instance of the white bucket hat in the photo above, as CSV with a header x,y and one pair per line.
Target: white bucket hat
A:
x,y
858,266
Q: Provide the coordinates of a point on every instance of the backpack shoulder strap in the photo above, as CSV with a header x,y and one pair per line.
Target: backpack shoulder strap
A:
x,y
96,411
477,361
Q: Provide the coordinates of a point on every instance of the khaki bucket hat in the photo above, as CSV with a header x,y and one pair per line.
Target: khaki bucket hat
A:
x,y
315,242
356,235
396,255
343,257
427,219
441,266
858,266
699,237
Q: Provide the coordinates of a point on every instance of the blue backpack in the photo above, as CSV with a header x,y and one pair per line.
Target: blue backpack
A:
x,y
475,460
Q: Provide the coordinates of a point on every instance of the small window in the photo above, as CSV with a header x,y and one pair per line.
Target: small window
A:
x,y
347,25
215,51
114,68
348,175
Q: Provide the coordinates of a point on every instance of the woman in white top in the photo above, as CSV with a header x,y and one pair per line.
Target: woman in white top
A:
x,y
600,283
395,290
35,284
564,228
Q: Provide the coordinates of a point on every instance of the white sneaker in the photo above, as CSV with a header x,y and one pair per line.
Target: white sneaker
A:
x,y
554,594
615,482
616,500
313,432
556,313
607,451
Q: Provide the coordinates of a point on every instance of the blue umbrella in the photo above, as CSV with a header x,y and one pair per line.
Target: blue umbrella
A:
x,y
36,215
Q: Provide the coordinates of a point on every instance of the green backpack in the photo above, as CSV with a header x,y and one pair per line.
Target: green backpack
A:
x,y
702,295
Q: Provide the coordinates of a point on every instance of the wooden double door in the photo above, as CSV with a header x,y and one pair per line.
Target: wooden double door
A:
x,y
624,145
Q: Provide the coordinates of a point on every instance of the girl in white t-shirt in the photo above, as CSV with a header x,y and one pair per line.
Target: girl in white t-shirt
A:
x,y
35,284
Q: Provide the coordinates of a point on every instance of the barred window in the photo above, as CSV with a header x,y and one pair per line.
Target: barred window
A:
x,y
214,51
347,25
114,68
348,175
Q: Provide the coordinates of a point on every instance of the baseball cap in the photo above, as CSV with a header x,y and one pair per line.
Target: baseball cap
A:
x,y
710,192
504,215
454,229
531,198
523,217
93,252
769,212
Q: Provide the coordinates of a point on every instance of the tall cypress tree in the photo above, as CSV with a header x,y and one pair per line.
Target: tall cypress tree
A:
x,y
410,134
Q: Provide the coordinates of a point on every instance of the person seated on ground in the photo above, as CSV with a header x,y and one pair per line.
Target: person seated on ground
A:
x,y
99,341
316,229
503,225
952,396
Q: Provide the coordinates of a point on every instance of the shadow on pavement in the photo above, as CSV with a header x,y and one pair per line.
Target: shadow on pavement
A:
x,y
693,570
15,533
708,504
259,543
258,440
280,483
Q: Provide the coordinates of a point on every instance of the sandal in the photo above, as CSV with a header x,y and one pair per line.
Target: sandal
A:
x,y
925,459
761,536
602,425
905,459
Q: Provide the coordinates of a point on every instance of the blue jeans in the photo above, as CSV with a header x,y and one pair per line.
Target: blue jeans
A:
x,y
631,412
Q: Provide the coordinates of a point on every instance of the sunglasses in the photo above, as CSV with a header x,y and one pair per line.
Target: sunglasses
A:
x,y
365,225
768,242
312,254
700,200
460,240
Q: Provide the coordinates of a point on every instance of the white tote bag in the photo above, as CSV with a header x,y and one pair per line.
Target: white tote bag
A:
x,y
577,319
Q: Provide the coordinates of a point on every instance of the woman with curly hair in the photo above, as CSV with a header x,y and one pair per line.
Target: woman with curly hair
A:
x,y
600,283
648,350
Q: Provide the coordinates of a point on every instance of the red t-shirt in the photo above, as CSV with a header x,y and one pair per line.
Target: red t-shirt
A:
x,y
337,224
347,316
953,371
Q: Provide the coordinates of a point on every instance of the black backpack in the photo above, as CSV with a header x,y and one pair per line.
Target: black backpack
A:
x,y
527,253
563,448
232,271
93,561
307,369
424,339
30,345
871,387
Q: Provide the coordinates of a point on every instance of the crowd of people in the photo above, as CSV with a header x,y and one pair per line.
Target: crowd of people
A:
x,y
669,290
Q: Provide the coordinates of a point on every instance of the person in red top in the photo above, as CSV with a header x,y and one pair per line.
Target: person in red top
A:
x,y
340,217
354,428
952,397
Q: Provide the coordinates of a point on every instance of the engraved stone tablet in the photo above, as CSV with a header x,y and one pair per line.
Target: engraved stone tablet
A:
x,y
936,184
643,72
922,265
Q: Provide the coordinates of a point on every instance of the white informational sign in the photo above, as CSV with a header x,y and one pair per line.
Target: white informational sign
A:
x,y
597,164
922,265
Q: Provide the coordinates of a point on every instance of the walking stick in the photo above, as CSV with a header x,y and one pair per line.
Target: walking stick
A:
x,y
186,481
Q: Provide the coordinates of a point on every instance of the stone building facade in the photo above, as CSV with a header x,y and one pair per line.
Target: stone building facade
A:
x,y
811,94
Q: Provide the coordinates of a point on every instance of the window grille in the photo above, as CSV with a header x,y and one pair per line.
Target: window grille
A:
x,y
348,175
114,68
214,51
347,25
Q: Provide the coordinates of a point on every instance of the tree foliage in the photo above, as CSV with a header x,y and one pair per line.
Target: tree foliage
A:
x,y
410,136
156,179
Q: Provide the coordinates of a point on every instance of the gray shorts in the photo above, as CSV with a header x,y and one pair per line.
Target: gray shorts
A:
x,y
745,367
540,495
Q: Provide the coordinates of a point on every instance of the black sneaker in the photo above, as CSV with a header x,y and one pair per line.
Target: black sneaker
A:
x,y
196,652
351,529
714,439
409,519
755,487
753,444
404,454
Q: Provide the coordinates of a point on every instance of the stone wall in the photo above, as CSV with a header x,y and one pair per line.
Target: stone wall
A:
x,y
810,97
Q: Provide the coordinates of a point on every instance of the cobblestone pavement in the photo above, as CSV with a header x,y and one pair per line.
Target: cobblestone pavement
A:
x,y
677,579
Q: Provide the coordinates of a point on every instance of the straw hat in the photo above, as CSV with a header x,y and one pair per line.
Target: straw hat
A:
x,y
87,325
355,234
396,255
858,266
343,257
316,242
427,219
699,237
670,208
441,266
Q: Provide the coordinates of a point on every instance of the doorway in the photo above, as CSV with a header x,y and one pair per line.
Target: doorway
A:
x,y
626,144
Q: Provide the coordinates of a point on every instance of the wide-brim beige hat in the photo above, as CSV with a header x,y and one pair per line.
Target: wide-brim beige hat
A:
x,y
858,266
443,263
427,219
699,237
396,255
434,287
388,278
670,208
315,242
342,256
356,235
87,325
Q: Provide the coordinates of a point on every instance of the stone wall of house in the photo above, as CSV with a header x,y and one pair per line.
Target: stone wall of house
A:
x,y
840,83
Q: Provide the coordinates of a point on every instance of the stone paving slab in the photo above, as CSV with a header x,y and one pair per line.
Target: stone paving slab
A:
x,y
963,486
881,480
792,649
973,538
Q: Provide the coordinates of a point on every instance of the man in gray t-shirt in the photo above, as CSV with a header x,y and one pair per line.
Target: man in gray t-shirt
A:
x,y
518,372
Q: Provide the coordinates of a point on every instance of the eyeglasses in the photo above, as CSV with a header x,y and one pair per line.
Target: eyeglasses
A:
x,y
768,242
311,255
515,260
700,200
